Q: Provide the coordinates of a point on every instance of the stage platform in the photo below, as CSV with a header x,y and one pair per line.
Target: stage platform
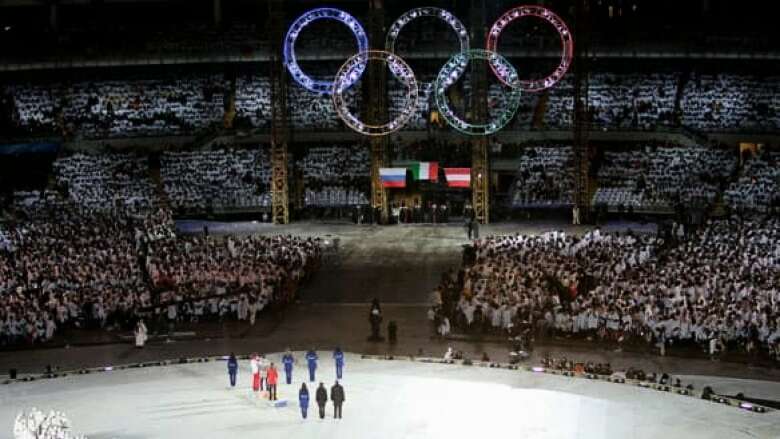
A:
x,y
450,230
384,399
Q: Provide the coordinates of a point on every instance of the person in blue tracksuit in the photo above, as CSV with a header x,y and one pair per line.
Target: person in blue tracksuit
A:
x,y
339,357
303,399
311,359
288,361
232,366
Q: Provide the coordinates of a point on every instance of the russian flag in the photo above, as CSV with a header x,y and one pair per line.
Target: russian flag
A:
x,y
393,177
458,177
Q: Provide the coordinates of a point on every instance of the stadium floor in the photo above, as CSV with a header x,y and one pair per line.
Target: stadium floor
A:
x,y
384,399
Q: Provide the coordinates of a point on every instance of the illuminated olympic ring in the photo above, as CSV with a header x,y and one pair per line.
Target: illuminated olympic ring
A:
x,y
566,40
450,73
348,75
446,16
301,22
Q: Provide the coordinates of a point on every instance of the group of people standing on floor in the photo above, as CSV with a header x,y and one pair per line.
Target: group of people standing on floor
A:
x,y
265,377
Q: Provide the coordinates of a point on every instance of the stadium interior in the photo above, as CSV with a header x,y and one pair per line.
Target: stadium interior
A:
x,y
584,194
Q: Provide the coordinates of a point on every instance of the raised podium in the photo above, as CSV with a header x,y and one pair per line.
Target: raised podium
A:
x,y
278,403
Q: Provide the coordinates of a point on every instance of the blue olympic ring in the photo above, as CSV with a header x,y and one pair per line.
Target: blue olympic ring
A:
x,y
317,86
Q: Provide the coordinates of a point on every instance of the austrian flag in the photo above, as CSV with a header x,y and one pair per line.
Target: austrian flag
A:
x,y
458,177
425,171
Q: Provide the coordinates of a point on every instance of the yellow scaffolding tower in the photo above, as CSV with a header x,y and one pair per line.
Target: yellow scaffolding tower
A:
x,y
280,206
480,165
375,107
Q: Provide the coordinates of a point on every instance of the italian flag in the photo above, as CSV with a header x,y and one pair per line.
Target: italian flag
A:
x,y
425,171
458,177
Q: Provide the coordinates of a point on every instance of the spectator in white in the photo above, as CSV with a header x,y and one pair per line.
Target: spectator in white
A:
x,y
140,334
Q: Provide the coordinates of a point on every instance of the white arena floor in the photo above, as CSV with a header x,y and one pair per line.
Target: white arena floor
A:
x,y
384,399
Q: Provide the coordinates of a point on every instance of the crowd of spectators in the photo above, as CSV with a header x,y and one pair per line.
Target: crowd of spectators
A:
x,y
128,107
715,288
659,177
728,102
40,204
335,175
237,276
106,181
106,270
545,176
306,110
617,100
221,179
194,102
69,270
758,186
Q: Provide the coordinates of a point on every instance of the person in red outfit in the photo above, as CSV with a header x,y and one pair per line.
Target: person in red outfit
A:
x,y
255,368
272,377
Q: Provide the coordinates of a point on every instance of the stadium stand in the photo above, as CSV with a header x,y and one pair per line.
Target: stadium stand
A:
x,y
129,107
193,102
335,175
544,176
657,177
106,181
223,180
758,187
731,102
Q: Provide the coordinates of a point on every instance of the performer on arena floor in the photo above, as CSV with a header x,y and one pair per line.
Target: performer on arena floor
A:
x,y
254,364
263,365
337,396
338,355
288,361
272,377
311,359
232,366
322,399
140,334
303,399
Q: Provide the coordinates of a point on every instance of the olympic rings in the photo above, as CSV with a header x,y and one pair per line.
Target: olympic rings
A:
x,y
447,17
351,71
566,40
348,75
292,35
450,73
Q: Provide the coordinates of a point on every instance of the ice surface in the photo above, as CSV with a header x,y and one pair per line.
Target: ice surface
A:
x,y
384,399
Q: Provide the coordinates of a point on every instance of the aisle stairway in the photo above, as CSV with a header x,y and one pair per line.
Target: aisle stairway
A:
x,y
719,209
156,178
230,102
682,80
540,110
395,264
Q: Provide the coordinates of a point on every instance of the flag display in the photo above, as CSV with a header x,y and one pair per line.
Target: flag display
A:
x,y
458,177
393,177
425,171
